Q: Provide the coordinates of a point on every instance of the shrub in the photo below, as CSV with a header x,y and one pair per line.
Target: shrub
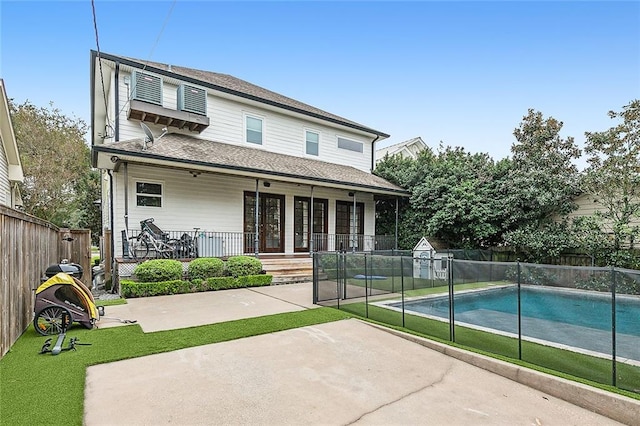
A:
x,y
254,280
205,267
157,270
131,289
144,289
238,266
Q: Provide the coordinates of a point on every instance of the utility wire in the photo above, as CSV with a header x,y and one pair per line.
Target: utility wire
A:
x,y
104,93
164,24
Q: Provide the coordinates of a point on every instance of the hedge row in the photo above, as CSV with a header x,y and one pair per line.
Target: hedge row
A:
x,y
160,270
131,289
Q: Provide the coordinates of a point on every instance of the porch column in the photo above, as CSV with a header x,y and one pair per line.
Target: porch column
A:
x,y
396,242
311,226
256,241
353,220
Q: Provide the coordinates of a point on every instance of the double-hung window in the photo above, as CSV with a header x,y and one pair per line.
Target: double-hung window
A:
x,y
148,194
312,140
253,126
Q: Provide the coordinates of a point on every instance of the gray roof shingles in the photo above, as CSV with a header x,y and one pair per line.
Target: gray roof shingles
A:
x,y
242,87
188,149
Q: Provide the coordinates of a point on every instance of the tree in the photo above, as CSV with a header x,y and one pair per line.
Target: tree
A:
x,y
89,214
613,177
55,160
451,197
540,187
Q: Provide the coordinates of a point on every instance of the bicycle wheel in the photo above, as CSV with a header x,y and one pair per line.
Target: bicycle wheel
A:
x,y
52,320
168,250
139,247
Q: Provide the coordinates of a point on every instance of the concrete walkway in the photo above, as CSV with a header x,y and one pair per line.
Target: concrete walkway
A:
x,y
345,372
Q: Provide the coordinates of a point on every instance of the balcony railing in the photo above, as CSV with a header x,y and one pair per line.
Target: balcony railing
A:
x,y
190,244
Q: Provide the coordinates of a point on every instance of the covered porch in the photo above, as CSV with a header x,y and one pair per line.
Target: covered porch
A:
x,y
238,201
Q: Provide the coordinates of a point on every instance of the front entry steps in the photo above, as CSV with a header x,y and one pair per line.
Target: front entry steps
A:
x,y
288,269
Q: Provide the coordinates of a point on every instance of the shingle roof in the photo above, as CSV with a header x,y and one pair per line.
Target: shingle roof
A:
x,y
234,85
190,150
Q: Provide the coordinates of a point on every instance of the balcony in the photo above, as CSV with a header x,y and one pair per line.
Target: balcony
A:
x,y
156,114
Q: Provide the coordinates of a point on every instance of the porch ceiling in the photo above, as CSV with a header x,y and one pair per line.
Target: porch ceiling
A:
x,y
177,150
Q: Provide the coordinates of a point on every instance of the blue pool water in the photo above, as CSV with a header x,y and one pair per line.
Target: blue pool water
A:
x,y
569,317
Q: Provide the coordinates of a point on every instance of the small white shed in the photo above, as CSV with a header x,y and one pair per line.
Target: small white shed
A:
x,y
427,262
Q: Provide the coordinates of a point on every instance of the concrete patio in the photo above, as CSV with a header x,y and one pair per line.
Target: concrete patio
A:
x,y
345,372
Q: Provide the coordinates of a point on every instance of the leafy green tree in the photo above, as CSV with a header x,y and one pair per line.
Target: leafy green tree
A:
x,y
451,197
613,178
540,188
89,214
55,160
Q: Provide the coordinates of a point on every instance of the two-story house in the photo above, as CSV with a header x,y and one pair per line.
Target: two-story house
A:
x,y
257,172
10,166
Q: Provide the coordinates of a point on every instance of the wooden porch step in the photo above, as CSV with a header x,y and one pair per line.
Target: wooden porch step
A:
x,y
287,270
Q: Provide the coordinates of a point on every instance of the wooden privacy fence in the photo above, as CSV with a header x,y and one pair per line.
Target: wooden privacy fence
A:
x,y
28,245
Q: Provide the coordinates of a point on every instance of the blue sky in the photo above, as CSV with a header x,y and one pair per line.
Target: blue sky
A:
x,y
464,73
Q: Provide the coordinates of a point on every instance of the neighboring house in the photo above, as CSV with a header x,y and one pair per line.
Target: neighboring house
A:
x,y
588,205
235,159
10,167
406,149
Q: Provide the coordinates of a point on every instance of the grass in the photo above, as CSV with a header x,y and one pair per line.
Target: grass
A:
x,y
574,366
41,388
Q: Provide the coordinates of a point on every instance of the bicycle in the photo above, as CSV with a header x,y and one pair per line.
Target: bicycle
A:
x,y
152,239
187,247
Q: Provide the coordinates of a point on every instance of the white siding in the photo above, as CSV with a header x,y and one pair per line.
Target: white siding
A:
x,y
282,133
587,207
215,202
5,188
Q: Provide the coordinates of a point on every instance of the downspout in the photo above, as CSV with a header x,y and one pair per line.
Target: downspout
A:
x,y
113,238
117,105
126,197
311,225
373,153
257,239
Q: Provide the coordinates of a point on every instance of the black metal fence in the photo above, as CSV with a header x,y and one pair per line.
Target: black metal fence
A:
x,y
582,321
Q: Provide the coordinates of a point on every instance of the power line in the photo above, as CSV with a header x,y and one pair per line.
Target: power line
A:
x,y
153,48
104,93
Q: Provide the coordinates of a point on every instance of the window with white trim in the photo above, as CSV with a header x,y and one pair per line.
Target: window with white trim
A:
x,y
253,132
312,140
148,194
350,145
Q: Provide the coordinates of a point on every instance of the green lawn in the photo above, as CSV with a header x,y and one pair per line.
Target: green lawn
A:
x,y
45,389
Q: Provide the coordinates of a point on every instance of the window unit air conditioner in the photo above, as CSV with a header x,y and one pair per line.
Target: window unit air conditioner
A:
x,y
192,99
147,88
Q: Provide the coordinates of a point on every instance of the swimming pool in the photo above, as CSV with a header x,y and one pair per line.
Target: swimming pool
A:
x,y
566,317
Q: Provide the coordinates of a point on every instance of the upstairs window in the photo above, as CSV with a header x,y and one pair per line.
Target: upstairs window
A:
x,y
253,127
148,194
350,145
312,142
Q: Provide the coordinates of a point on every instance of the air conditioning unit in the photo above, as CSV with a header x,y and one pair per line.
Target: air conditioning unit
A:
x,y
192,99
147,88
